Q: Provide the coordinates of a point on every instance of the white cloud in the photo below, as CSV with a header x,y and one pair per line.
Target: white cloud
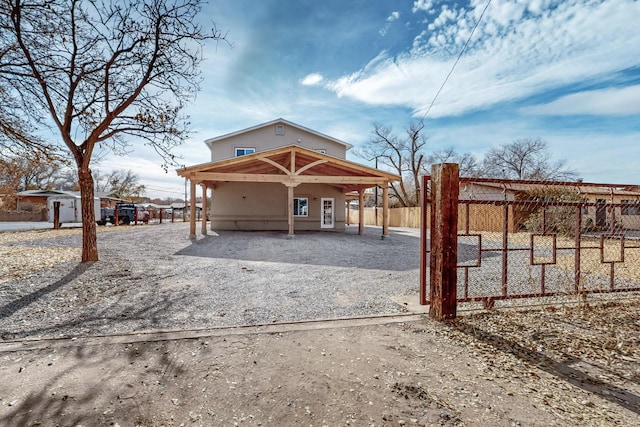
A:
x,y
424,5
608,102
312,79
445,16
507,59
394,16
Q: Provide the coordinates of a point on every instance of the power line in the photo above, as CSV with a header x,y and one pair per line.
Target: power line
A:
x,y
457,60
164,191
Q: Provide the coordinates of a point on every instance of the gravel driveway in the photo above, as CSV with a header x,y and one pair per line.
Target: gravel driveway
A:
x,y
154,277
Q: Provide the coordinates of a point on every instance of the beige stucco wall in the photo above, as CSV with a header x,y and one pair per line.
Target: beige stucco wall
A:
x,y
630,222
263,139
263,206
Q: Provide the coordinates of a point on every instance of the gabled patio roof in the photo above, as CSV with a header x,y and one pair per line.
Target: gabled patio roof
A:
x,y
291,165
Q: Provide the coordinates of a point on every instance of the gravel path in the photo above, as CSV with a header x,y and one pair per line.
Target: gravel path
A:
x,y
154,277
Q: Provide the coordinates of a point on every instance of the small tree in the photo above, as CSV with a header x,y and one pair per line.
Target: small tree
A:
x,y
100,72
122,183
544,215
403,155
525,159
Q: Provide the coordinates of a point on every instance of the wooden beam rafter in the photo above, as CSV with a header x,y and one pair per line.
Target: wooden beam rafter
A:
x,y
310,165
277,165
288,179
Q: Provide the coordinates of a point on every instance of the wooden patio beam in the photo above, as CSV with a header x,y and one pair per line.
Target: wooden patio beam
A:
x,y
275,164
288,179
310,165
293,161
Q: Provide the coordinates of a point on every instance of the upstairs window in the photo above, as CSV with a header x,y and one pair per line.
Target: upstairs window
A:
x,y
279,129
243,151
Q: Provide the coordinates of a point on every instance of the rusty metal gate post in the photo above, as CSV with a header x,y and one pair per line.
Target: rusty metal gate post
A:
x,y
424,221
443,257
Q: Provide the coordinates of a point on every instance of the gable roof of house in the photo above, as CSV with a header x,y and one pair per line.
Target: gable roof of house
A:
x,y
48,193
290,165
272,123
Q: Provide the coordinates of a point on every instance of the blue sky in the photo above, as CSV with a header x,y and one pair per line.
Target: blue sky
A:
x,y
565,71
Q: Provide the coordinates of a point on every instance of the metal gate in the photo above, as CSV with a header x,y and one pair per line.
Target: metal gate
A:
x,y
525,239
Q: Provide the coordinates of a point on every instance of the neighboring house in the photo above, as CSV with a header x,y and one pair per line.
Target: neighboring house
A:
x,y
280,176
70,205
181,208
606,205
36,199
109,201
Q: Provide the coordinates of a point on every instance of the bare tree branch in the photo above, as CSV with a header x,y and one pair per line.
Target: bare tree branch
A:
x,y
103,74
403,156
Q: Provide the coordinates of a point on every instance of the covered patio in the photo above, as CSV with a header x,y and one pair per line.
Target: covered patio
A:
x,y
290,166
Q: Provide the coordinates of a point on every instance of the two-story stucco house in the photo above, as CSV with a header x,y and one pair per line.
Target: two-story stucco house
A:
x,y
280,176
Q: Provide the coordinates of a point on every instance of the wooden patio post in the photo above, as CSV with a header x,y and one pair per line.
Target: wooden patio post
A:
x,y
443,258
347,206
290,210
360,211
213,187
204,209
192,211
385,210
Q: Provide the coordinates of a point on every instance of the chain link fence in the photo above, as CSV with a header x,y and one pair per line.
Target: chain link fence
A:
x,y
525,239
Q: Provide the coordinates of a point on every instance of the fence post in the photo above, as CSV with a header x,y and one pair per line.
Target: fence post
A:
x,y
443,258
56,215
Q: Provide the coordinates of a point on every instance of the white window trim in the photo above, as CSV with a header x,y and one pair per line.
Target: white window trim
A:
x,y
279,129
235,151
294,205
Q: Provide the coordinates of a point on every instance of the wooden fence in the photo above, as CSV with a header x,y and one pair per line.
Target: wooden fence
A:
x,y
15,216
481,217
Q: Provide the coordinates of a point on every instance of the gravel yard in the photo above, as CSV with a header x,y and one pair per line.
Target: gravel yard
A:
x,y
154,277
565,365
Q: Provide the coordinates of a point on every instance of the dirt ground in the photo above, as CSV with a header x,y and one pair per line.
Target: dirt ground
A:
x,y
391,371
565,365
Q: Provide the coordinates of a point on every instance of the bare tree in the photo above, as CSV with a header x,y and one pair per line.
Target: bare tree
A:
x,y
19,173
525,159
17,138
122,183
99,72
403,155
467,163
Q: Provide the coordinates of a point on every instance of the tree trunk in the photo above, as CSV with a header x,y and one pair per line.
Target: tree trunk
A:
x,y
89,239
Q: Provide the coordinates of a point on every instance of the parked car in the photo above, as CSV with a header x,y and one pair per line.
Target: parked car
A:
x,y
106,215
127,213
